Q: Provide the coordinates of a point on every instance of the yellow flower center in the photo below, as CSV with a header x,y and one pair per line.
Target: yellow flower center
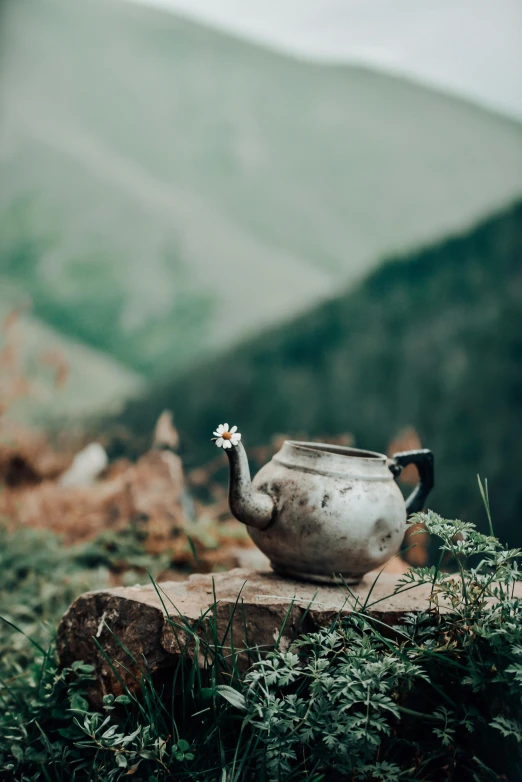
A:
x,y
226,436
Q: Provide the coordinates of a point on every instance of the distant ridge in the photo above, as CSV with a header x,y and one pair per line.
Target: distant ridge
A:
x,y
390,39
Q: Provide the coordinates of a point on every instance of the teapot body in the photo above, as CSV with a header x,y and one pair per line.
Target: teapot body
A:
x,y
335,511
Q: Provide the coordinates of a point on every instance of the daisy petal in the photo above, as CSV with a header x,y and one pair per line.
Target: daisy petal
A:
x,y
235,439
220,442
216,433
227,444
233,429
225,427
237,436
220,429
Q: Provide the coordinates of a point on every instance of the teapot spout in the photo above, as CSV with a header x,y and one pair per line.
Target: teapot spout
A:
x,y
253,508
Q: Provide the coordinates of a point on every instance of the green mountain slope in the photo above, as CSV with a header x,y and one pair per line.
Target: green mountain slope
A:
x,y
433,341
167,189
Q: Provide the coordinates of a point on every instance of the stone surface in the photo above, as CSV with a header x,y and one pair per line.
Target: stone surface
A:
x,y
155,628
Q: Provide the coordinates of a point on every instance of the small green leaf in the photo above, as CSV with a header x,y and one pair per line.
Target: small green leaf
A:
x,y
34,756
78,703
121,761
80,667
234,697
67,733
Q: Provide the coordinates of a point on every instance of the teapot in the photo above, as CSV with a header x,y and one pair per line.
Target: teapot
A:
x,y
320,512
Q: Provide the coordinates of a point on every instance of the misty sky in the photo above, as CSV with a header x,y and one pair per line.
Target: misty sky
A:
x,y
469,47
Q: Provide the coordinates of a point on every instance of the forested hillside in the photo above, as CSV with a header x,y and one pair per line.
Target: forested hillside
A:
x,y
433,341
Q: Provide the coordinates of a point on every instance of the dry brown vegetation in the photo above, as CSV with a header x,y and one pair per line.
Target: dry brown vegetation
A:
x,y
185,516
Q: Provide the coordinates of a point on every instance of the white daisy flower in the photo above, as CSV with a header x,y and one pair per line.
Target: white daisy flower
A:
x,y
225,437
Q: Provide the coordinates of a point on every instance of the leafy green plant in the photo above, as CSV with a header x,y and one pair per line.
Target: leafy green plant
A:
x,y
49,731
437,697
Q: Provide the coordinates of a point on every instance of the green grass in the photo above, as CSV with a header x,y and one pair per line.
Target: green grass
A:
x,y
356,701
174,189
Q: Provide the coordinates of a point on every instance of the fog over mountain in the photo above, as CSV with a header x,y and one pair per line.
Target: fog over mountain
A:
x,y
175,189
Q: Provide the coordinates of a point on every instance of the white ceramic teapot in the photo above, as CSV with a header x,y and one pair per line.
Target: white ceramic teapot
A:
x,y
320,510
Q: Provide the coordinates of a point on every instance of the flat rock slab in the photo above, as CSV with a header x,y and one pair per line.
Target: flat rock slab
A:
x,y
147,628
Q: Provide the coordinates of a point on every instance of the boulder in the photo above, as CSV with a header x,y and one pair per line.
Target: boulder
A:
x,y
148,628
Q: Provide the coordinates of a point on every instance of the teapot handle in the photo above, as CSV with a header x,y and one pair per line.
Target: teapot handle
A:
x,y
424,462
